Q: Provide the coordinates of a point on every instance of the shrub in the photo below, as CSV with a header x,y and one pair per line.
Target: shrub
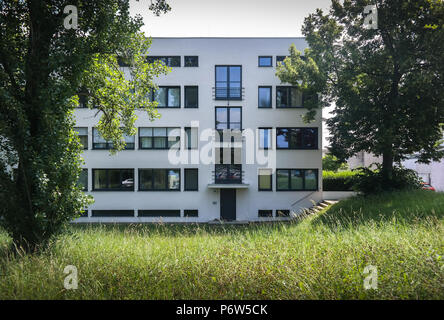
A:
x,y
331,163
338,181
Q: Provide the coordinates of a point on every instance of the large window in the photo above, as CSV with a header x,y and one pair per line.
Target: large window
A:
x,y
296,179
159,179
228,118
288,97
265,61
159,138
265,180
101,144
170,61
113,179
228,83
264,97
82,133
167,97
265,138
297,138
191,96
228,168
191,61
191,179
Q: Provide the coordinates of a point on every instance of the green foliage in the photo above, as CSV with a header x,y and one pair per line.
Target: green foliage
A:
x,y
331,163
372,181
42,67
387,83
338,181
319,258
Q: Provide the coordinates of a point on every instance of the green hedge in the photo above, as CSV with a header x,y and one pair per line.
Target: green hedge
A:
x,y
338,181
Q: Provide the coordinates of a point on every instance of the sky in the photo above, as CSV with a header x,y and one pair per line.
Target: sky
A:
x,y
229,18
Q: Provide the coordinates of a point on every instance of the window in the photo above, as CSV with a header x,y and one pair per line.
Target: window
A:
x,y
112,213
265,138
296,179
264,96
297,138
282,213
191,180
101,144
83,179
265,61
159,179
191,96
83,99
288,97
228,83
191,213
228,118
167,97
280,59
159,138
264,180
170,61
265,213
82,133
191,61
191,138
159,213
113,179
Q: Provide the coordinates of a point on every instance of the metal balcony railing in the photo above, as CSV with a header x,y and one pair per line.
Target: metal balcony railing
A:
x,y
228,93
228,174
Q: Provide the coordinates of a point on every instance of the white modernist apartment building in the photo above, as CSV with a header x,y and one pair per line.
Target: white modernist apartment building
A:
x,y
230,143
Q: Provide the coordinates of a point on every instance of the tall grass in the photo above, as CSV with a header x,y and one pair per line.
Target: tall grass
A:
x,y
322,257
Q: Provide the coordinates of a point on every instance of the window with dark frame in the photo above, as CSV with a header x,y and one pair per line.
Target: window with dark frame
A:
x,y
265,61
191,179
265,180
265,213
101,144
280,59
288,97
191,138
297,138
159,179
264,96
83,179
296,179
191,61
191,96
282,213
159,213
167,96
191,213
265,138
82,133
170,61
112,213
113,179
159,138
228,83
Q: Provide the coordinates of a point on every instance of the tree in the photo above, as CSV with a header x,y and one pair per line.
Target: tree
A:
x,y
331,163
44,68
387,83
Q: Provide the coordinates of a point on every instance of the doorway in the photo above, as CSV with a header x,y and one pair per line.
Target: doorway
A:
x,y
228,204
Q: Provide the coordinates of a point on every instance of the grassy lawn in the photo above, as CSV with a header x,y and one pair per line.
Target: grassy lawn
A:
x,y
321,257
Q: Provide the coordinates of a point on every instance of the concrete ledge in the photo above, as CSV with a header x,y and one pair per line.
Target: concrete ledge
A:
x,y
337,195
228,186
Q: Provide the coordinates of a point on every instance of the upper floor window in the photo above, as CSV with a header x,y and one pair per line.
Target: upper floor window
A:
x,y
170,61
264,96
82,133
265,180
191,61
167,97
265,138
159,138
228,83
228,118
296,179
297,138
83,179
280,59
265,61
101,143
288,97
159,179
113,179
191,138
191,96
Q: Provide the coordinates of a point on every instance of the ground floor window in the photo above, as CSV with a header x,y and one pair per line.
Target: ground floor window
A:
x,y
265,213
159,213
159,179
112,213
113,179
296,179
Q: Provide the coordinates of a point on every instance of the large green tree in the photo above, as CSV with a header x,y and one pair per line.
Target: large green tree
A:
x,y
44,68
387,82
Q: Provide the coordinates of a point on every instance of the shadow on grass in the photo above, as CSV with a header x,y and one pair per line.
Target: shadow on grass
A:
x,y
407,207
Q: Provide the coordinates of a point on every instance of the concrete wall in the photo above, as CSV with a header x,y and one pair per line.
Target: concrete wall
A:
x,y
337,195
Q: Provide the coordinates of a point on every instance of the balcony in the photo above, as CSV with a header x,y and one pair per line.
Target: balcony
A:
x,y
228,93
228,176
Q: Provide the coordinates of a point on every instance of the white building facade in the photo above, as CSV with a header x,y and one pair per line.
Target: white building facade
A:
x,y
177,169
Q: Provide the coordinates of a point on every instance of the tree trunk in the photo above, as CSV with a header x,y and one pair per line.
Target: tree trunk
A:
x,y
387,167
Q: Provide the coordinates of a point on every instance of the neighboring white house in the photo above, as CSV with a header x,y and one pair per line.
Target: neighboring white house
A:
x,y
176,170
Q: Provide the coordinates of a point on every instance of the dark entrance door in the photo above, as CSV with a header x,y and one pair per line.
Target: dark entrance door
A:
x,y
228,204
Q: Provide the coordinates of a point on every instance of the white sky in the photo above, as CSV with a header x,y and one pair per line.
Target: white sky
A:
x,y
229,18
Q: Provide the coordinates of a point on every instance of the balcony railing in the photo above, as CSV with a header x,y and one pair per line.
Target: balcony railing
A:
x,y
228,93
228,174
